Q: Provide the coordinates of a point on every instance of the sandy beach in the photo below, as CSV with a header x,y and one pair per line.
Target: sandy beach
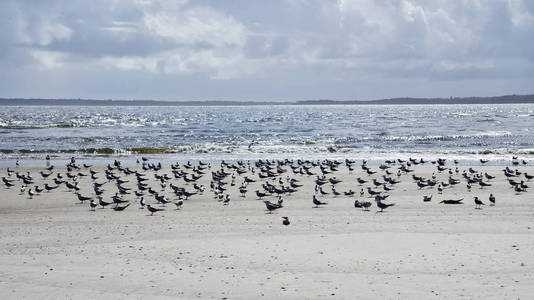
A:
x,y
54,247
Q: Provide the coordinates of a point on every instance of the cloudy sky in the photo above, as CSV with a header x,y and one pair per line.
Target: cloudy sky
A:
x,y
265,50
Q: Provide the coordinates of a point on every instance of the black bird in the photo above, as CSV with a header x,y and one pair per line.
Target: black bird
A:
x,y
49,188
349,193
142,203
452,201
83,198
260,194
271,206
102,202
483,184
366,205
117,199
323,192
371,192
478,203
93,204
120,208
528,177
357,204
381,204
488,176
226,200
427,198
317,202
152,210
179,204
492,199
8,184
285,221
45,175
361,181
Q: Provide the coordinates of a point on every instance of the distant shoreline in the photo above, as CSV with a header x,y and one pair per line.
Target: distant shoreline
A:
x,y
507,99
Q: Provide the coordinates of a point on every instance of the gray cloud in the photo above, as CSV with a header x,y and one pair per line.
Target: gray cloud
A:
x,y
283,49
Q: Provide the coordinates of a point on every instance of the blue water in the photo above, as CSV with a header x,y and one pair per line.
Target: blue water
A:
x,y
251,132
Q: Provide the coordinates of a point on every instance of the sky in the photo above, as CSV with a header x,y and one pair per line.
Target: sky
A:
x,y
272,50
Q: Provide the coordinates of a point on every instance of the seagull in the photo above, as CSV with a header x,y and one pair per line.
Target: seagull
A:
x,y
120,208
483,184
285,221
317,202
117,199
142,203
366,205
492,200
478,203
93,204
272,206
381,204
260,194
361,181
349,193
30,193
226,200
152,210
179,204
49,188
452,201
102,203
83,198
427,198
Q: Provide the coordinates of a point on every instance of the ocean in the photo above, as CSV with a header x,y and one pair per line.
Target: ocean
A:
x,y
212,133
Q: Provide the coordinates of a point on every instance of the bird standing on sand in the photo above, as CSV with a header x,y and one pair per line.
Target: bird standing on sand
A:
x,y
285,221
478,203
492,200
152,210
179,204
93,204
120,208
272,206
103,203
366,205
142,203
381,204
317,202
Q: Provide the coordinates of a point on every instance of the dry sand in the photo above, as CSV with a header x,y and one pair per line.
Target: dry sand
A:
x,y
55,248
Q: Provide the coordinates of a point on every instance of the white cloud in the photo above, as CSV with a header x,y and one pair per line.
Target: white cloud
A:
x,y
192,25
284,40
48,59
520,16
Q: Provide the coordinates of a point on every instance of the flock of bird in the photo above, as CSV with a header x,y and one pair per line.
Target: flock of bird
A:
x,y
274,180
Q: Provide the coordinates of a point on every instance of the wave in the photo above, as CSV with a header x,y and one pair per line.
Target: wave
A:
x,y
308,148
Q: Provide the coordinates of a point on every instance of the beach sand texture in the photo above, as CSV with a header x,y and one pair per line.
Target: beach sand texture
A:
x,y
54,247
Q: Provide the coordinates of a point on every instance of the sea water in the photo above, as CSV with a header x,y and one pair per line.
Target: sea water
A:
x,y
373,132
